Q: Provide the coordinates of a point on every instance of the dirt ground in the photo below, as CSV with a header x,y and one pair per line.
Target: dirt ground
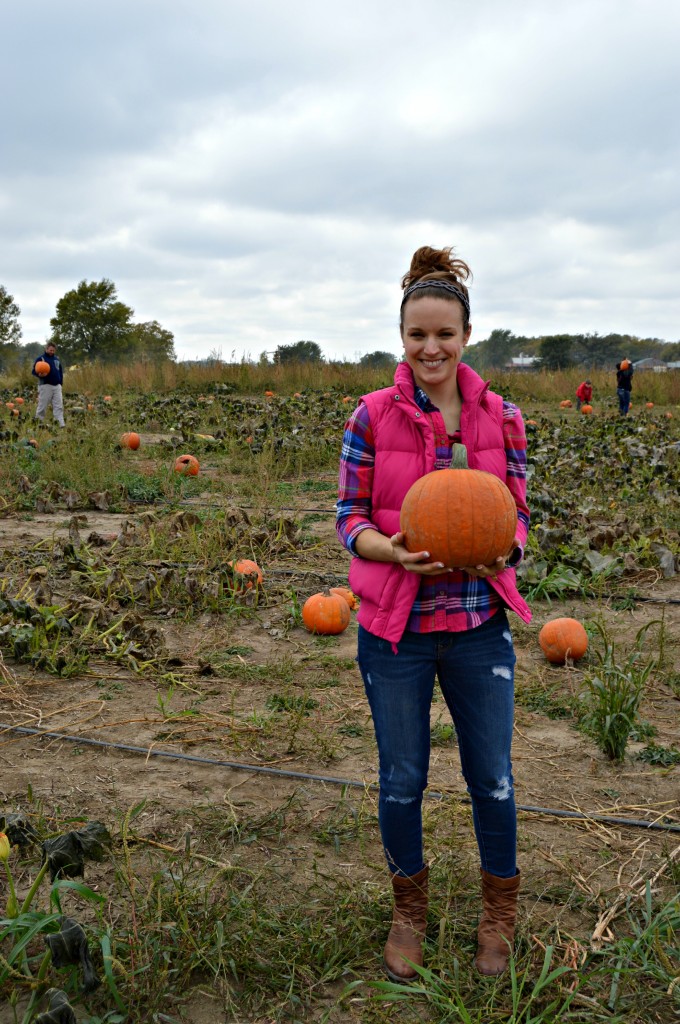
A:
x,y
214,716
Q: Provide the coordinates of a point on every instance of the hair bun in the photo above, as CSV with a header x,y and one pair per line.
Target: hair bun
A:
x,y
426,261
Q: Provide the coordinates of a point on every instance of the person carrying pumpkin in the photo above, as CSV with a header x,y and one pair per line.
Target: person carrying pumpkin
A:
x,y
50,373
584,392
420,619
624,385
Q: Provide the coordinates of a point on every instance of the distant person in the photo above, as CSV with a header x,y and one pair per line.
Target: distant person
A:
x,y
624,384
584,392
49,385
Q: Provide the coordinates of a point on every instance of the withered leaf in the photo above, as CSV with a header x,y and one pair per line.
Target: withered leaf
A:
x,y
69,946
59,1010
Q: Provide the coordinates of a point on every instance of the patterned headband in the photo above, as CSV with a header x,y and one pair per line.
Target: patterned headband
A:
x,y
445,286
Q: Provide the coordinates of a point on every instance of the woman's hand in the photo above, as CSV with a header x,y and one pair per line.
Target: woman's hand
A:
x,y
483,572
414,561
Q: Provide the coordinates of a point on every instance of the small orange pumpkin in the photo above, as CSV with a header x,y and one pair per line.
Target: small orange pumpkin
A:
x,y
130,440
347,594
462,516
347,398
297,395
15,412
42,368
565,403
187,464
649,405
19,401
532,423
586,409
10,405
247,574
669,415
563,638
269,394
107,398
326,613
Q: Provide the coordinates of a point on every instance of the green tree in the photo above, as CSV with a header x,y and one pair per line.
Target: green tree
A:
x,y
299,352
151,341
555,352
498,348
10,328
91,323
378,360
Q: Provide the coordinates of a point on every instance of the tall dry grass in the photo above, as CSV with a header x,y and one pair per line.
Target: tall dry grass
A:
x,y
287,378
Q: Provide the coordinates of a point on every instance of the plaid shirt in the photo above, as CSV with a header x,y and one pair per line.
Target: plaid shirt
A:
x,y
453,601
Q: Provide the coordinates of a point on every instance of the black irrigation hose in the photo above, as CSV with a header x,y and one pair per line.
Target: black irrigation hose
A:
x,y
305,776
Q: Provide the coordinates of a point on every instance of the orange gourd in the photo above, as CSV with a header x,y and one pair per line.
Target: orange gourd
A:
x,y
326,613
130,440
187,464
563,638
586,409
565,403
42,368
269,394
347,594
462,516
19,401
649,405
247,574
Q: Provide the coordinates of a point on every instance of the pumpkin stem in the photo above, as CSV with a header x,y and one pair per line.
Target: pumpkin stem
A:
x,y
459,457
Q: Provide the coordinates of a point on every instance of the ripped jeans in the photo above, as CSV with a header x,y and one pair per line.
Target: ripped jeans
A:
x,y
475,669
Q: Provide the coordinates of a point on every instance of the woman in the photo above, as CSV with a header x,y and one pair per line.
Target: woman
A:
x,y
420,619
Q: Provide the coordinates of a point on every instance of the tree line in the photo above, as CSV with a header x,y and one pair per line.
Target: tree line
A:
x,y
561,351
92,323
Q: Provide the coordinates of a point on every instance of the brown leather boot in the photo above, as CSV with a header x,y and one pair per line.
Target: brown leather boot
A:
x,y
497,925
408,925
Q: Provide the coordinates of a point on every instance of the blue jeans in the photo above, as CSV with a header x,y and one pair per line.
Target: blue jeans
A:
x,y
475,670
624,400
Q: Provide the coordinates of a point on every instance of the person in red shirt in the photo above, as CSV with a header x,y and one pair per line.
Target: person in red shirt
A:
x,y
584,392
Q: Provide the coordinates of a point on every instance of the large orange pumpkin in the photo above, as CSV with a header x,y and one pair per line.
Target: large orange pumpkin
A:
x,y
586,409
247,574
462,516
625,363
326,613
130,440
347,594
563,638
187,464
42,368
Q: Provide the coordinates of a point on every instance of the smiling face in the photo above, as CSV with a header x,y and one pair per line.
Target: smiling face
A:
x,y
434,337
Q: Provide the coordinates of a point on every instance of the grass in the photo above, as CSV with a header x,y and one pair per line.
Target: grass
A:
x,y
277,905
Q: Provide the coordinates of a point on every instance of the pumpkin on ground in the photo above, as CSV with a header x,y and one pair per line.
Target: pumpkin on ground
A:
x,y
649,405
586,409
462,516
565,403
187,464
130,440
19,401
247,574
563,638
42,368
347,594
326,613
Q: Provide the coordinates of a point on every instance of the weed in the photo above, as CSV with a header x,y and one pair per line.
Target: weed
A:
x,y
659,755
613,693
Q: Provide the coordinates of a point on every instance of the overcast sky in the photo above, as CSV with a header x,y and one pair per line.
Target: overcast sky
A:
x,y
253,174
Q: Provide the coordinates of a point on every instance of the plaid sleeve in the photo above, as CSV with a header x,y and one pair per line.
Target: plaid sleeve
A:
x,y
355,485
516,474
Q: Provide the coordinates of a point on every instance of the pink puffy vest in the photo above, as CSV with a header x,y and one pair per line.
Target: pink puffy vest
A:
x,y
405,451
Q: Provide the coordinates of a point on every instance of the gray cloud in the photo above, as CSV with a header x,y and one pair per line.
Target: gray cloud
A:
x,y
254,175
